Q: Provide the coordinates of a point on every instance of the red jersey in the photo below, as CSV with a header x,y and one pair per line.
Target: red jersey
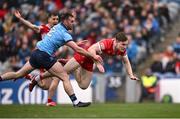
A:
x,y
87,63
44,29
108,48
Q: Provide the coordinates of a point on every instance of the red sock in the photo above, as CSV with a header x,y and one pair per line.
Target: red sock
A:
x,y
28,76
40,76
50,100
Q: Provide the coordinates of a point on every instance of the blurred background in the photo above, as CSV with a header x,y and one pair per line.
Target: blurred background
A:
x,y
152,27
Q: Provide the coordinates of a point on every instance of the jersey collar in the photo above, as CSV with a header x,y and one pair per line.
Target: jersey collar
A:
x,y
48,25
64,26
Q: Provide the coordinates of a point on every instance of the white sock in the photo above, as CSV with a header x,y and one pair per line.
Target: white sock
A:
x,y
37,78
76,102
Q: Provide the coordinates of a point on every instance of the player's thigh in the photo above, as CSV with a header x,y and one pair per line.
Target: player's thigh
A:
x,y
26,69
58,71
71,65
55,82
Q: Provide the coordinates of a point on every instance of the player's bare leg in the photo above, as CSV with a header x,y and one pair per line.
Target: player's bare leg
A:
x,y
55,82
58,71
52,88
26,69
71,66
45,84
82,76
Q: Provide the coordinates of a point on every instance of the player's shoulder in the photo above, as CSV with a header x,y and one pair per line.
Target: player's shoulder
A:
x,y
45,27
107,41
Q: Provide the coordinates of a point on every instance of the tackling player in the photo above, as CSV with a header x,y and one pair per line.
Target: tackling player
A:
x,y
42,56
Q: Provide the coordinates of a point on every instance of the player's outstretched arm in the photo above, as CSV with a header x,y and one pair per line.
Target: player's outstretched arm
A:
x,y
82,51
129,68
27,23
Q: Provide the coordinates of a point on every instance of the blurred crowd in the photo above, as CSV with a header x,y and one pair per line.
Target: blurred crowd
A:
x,y
166,63
145,23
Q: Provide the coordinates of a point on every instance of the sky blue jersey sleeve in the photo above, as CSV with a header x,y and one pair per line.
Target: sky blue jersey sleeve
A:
x,y
67,37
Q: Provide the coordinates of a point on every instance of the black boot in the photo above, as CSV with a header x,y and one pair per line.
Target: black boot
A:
x,y
82,104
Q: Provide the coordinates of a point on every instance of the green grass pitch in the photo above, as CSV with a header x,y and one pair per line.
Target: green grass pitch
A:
x,y
110,110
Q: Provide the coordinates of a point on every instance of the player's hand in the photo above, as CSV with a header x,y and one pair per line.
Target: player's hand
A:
x,y
17,14
100,67
98,58
133,78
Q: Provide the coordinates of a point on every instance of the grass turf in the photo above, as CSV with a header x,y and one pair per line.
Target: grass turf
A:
x,y
150,110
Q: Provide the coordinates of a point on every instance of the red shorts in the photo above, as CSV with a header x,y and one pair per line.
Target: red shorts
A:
x,y
84,61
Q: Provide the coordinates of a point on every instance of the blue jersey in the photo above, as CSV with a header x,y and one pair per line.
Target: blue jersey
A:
x,y
56,37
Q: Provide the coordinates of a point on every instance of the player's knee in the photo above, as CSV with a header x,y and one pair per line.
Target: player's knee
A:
x,y
43,86
83,87
64,76
83,84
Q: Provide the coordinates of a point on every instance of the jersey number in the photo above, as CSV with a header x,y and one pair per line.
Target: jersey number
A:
x,y
51,31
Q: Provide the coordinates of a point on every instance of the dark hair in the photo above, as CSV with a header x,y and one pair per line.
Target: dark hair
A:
x,y
66,15
53,14
121,36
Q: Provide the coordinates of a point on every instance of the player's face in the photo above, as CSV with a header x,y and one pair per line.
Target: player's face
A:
x,y
121,45
54,20
70,23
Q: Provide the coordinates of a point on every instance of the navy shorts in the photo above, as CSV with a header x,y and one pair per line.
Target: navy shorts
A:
x,y
40,59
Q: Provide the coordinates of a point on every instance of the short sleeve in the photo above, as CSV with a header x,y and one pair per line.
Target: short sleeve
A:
x,y
104,44
67,37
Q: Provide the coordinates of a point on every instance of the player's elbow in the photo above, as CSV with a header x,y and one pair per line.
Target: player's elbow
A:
x,y
43,86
